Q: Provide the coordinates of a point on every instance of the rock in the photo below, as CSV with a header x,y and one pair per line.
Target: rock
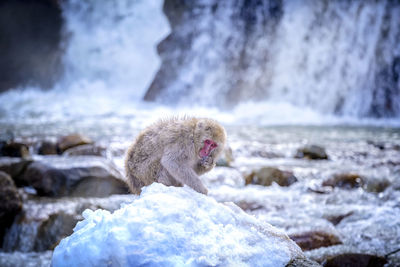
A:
x,y
377,144
302,262
311,152
72,140
86,150
355,260
248,206
345,181
55,228
48,148
43,222
31,52
336,219
267,175
376,185
226,158
10,202
15,167
74,176
14,149
315,239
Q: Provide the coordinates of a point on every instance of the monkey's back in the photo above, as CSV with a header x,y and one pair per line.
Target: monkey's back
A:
x,y
144,155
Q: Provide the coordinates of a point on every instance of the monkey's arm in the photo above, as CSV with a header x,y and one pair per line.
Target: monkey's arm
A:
x,y
179,167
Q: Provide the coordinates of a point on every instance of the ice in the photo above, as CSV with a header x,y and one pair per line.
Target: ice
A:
x,y
170,226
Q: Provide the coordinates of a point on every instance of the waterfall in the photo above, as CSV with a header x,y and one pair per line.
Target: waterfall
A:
x,y
110,45
335,57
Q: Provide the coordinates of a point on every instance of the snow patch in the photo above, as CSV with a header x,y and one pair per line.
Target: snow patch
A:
x,y
170,226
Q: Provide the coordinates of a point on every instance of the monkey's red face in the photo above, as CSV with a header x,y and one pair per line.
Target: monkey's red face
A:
x,y
209,146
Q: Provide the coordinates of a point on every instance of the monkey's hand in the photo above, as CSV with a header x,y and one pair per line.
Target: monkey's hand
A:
x,y
180,169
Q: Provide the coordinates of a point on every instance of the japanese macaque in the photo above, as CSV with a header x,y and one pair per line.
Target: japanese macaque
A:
x,y
174,152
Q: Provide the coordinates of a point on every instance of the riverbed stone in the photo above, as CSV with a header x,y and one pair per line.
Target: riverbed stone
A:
x,y
14,149
14,167
267,175
315,239
48,148
72,140
355,260
86,150
345,181
311,152
43,222
81,176
10,202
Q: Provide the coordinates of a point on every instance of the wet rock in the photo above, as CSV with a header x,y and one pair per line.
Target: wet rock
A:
x,y
48,148
55,228
302,262
86,150
355,260
311,152
249,206
72,140
10,202
379,145
14,149
336,219
315,239
267,175
43,222
376,185
345,181
226,158
14,167
74,176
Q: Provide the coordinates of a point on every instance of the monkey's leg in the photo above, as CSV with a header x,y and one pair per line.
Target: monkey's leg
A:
x,y
135,185
167,179
182,173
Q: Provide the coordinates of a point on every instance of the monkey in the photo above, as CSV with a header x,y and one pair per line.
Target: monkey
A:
x,y
174,152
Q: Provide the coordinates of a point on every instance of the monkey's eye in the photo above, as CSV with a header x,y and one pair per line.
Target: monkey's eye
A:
x,y
207,142
214,145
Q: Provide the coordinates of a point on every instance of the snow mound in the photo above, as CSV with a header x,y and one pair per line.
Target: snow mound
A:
x,y
171,226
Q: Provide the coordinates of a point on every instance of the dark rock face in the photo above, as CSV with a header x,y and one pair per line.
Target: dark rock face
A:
x,y
315,239
355,260
10,202
30,32
233,50
74,176
187,22
267,175
311,152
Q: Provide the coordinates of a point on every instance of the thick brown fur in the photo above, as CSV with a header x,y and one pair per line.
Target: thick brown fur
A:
x,y
168,152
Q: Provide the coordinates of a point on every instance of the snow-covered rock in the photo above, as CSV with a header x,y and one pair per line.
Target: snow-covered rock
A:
x,y
170,226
